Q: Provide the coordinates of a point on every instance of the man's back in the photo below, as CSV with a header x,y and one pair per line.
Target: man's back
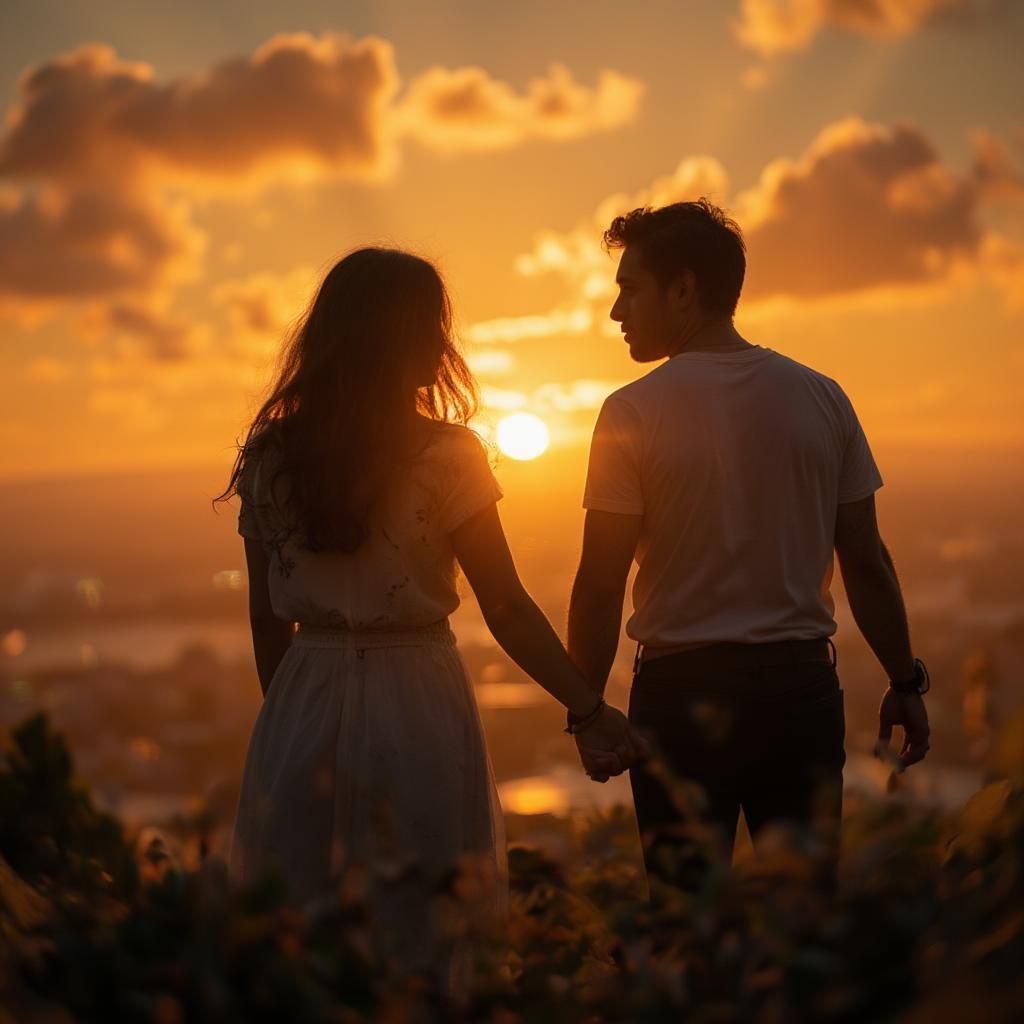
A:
x,y
737,462
730,473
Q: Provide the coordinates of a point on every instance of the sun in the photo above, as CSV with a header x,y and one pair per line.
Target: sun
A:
x,y
523,436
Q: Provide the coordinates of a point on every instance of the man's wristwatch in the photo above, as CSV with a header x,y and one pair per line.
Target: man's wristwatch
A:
x,y
919,683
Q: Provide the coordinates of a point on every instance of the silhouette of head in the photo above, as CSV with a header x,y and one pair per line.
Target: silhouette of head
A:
x,y
681,265
374,348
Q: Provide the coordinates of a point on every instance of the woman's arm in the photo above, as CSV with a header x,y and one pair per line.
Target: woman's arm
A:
x,y
271,636
516,622
608,745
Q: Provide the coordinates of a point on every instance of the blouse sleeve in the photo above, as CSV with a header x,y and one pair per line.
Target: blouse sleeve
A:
x,y
248,520
471,486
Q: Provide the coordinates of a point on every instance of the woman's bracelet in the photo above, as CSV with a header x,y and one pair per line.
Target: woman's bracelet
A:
x,y
579,725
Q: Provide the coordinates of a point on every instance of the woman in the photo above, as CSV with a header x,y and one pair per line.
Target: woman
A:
x,y
360,487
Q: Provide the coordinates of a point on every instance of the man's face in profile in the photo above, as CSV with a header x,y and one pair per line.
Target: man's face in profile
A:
x,y
644,309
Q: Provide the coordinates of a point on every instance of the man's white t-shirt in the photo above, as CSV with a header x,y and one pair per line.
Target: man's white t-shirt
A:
x,y
737,462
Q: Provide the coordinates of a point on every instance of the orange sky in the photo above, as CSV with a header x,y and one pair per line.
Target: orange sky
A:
x,y
174,179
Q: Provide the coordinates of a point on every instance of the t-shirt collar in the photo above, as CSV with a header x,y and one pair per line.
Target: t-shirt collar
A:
x,y
741,356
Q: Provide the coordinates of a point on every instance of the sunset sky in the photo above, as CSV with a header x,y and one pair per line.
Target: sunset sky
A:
x,y
174,177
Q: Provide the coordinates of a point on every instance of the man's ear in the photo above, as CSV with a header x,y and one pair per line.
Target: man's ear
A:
x,y
685,287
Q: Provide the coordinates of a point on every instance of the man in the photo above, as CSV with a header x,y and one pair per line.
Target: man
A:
x,y
731,473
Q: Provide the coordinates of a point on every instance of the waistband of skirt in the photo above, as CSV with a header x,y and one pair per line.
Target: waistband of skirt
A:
x,y
310,635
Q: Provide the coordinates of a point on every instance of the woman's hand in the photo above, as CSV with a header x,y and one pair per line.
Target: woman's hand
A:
x,y
610,745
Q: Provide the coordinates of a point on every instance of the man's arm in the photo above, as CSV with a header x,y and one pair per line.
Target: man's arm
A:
x,y
876,602
595,608
872,587
271,636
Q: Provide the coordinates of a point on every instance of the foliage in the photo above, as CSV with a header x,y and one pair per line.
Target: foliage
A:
x,y
50,831
927,923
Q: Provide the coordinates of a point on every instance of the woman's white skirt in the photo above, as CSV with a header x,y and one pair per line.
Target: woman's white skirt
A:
x,y
368,751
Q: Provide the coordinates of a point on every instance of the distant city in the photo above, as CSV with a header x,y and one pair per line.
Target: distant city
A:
x,y
124,618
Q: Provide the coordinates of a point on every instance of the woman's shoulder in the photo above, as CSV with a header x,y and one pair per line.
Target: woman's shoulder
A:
x,y
455,453
454,439
263,457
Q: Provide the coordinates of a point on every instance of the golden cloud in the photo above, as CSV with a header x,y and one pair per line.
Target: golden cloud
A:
x,y
993,168
86,242
577,254
778,26
576,321
261,307
1002,260
582,394
295,102
865,206
866,209
466,109
104,156
135,328
491,362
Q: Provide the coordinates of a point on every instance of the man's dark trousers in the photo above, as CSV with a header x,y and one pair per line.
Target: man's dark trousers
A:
x,y
756,726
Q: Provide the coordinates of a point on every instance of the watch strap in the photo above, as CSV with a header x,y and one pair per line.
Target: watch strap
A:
x,y
920,682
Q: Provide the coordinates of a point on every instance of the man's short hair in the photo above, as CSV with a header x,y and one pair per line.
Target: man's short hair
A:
x,y
695,236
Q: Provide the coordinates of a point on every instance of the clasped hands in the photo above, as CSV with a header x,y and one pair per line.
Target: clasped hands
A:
x,y
609,745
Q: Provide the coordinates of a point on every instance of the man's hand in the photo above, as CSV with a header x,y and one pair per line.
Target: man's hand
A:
x,y
610,745
909,711
600,765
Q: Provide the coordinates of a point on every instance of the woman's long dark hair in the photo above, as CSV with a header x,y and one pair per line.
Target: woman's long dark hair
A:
x,y
374,348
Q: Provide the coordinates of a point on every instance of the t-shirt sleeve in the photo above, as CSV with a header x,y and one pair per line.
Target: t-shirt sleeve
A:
x,y
859,476
613,472
471,486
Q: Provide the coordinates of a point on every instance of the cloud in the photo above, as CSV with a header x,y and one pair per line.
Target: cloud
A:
x,y
466,109
58,245
491,362
298,106
296,102
993,168
779,26
501,399
1003,261
581,395
262,307
102,160
578,320
133,328
867,209
865,206
577,256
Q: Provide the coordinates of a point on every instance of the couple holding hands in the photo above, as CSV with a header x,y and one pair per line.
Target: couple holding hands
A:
x,y
731,474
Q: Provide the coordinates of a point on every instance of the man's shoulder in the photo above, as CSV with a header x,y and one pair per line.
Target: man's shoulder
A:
x,y
794,369
641,394
796,375
637,393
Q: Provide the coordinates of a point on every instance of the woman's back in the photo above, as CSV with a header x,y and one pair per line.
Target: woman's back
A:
x,y
403,575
